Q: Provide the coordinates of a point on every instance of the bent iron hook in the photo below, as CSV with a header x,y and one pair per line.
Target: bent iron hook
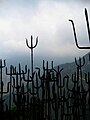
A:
x,y
88,28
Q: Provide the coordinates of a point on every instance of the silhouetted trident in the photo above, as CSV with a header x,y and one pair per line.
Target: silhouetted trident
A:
x,y
32,47
88,28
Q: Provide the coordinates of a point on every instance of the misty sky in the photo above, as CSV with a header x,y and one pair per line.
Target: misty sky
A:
x,y
47,19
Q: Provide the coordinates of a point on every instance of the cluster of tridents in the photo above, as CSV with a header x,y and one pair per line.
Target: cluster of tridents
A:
x,y
45,94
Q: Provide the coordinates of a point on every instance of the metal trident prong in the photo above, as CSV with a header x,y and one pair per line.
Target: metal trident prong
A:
x,y
80,64
32,47
75,36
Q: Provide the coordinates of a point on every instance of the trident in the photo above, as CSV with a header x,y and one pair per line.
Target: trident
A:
x,y
32,47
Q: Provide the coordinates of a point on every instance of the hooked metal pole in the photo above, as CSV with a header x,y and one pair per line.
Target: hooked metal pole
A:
x,y
74,31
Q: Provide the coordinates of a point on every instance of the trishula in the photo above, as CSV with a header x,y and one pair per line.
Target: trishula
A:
x,y
88,28
32,47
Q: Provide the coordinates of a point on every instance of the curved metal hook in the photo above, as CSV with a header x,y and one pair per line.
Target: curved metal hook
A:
x,y
75,36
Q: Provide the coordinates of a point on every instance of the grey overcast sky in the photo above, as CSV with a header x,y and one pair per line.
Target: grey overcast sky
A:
x,y
47,19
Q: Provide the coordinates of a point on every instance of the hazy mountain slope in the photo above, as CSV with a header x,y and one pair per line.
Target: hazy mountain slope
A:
x,y
69,68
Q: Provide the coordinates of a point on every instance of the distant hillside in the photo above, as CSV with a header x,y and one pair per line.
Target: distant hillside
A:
x,y
69,68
